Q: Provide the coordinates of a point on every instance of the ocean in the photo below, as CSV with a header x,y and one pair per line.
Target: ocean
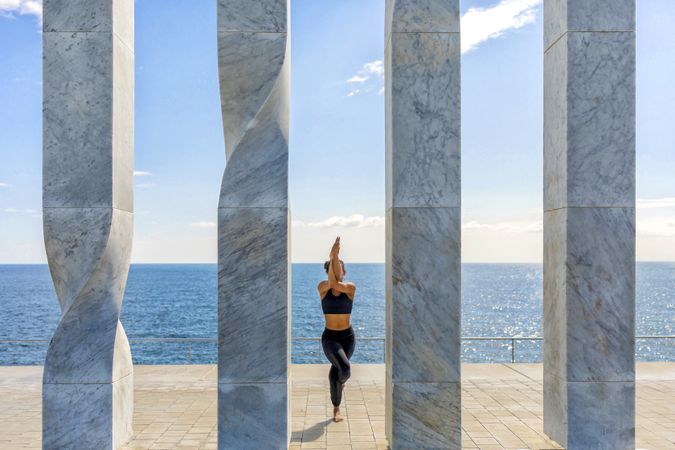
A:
x,y
179,301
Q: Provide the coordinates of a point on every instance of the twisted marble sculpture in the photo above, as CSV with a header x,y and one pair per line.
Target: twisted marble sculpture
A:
x,y
88,219
253,218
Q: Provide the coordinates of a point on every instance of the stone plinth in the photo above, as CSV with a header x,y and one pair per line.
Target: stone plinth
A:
x,y
422,88
253,226
589,223
88,132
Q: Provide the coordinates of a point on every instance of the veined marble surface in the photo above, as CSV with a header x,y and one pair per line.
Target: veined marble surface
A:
x,y
253,226
91,415
423,110
423,290
423,16
586,15
88,219
423,236
252,66
256,131
426,415
255,416
589,223
106,16
89,251
253,299
257,16
590,98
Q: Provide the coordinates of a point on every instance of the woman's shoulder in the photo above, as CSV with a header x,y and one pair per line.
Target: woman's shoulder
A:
x,y
323,288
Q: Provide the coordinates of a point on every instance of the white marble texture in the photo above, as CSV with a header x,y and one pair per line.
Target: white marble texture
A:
x,y
423,234
600,312
253,226
423,288
426,416
423,16
77,130
588,160
424,113
256,131
586,15
555,288
589,223
257,71
87,416
89,251
88,132
123,126
104,16
601,416
256,16
257,416
253,297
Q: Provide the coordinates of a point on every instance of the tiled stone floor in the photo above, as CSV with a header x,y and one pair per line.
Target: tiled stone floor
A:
x,y
175,407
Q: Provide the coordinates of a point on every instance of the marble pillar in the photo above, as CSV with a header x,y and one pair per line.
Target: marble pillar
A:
x,y
88,133
253,226
422,353
589,223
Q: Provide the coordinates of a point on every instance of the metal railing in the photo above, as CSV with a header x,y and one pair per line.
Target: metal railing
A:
x,y
504,338
512,340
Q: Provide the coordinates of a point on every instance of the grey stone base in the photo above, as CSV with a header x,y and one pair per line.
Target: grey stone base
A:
x,y
91,416
253,416
427,416
600,414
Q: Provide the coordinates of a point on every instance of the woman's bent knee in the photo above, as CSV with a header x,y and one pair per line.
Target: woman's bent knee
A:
x,y
345,373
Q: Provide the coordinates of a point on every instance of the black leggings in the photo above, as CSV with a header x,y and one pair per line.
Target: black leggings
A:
x,y
338,345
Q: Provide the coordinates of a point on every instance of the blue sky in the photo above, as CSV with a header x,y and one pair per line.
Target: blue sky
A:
x,y
337,130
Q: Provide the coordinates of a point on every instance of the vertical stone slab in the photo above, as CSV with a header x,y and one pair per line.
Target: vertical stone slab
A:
x,y
589,223
423,241
253,226
88,119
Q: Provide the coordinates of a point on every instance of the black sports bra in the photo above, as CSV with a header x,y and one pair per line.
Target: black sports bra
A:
x,y
340,304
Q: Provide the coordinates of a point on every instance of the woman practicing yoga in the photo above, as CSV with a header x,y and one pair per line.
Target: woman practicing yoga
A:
x,y
338,338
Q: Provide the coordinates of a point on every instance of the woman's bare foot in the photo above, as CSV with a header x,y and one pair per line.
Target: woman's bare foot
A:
x,y
336,414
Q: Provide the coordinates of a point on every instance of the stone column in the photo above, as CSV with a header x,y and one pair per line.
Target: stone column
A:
x,y
422,85
253,226
88,134
589,223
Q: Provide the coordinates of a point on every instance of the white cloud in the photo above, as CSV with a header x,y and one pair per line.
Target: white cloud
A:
x,y
653,203
203,224
534,226
374,68
20,211
353,221
369,77
358,79
141,173
656,228
5,185
482,24
655,217
26,7
478,25
23,212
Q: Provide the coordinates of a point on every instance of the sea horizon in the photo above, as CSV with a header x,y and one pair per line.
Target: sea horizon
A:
x,y
178,301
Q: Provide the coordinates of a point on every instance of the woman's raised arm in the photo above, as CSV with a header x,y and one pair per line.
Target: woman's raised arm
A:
x,y
335,272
